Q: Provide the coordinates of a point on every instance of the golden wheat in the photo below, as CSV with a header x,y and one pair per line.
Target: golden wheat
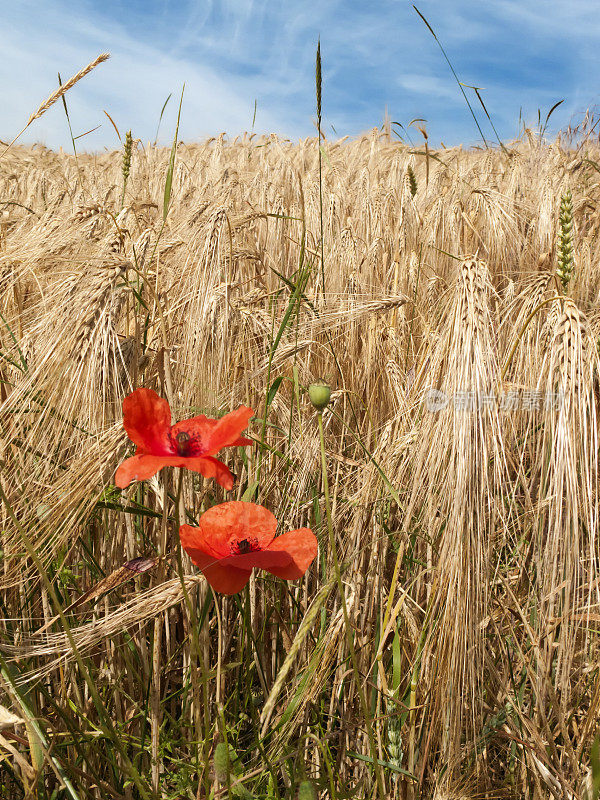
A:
x,y
488,510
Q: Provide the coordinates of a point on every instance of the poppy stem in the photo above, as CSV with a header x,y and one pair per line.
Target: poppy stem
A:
x,y
157,641
349,635
196,652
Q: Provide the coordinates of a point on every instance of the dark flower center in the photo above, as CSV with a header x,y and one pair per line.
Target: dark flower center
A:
x,y
243,546
185,444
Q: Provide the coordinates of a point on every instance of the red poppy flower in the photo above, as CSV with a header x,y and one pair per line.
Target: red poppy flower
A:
x,y
191,443
232,538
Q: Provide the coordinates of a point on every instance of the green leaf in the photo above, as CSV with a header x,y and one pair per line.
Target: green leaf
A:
x,y
397,662
162,111
171,169
386,764
326,157
273,390
37,739
249,493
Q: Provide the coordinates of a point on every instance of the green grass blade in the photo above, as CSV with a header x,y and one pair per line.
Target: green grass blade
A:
x,y
171,168
162,111
455,75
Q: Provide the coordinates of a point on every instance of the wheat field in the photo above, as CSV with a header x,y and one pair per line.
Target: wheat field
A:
x,y
463,660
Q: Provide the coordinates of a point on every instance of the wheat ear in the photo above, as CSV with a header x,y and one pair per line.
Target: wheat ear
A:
x,y
58,94
66,86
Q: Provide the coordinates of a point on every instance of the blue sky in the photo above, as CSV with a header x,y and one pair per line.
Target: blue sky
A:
x,y
377,54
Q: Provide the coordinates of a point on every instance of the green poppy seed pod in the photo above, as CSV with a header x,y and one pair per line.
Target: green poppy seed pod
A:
x,y
320,394
306,791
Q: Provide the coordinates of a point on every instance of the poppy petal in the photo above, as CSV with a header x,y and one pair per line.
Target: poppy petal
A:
x,y
227,430
147,420
222,578
226,524
143,466
242,442
301,545
209,467
210,435
227,580
193,539
261,559
138,468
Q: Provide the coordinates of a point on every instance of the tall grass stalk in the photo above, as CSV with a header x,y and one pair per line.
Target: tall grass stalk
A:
x,y
459,84
108,726
318,81
347,625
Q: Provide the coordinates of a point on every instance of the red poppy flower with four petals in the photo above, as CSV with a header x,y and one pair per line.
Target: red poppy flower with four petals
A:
x,y
191,443
232,538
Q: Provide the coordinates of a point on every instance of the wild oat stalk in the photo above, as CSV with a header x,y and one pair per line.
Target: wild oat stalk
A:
x,y
320,399
460,85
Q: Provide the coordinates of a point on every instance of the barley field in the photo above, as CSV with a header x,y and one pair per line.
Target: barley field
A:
x,y
445,641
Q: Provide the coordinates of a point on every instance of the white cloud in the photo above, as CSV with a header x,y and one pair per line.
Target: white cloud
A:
x,y
231,52
131,86
430,85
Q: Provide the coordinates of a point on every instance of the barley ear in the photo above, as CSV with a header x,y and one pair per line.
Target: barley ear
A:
x,y
60,92
565,262
66,86
126,168
412,180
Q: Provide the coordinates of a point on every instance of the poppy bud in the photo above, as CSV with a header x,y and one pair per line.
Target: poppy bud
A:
x,y
320,394
306,791
223,760
226,765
